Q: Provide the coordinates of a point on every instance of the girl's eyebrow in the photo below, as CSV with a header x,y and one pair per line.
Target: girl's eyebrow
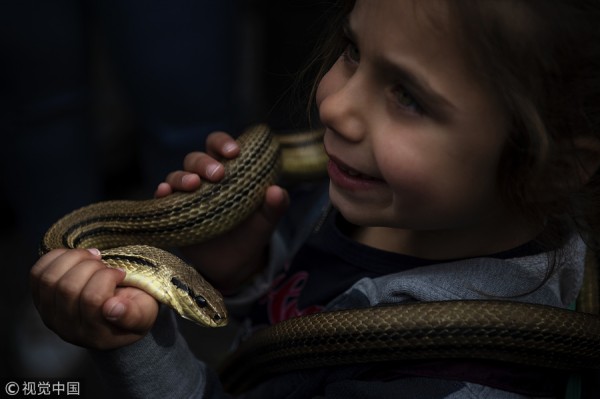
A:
x,y
416,85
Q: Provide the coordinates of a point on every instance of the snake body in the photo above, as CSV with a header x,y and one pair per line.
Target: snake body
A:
x,y
506,331
128,232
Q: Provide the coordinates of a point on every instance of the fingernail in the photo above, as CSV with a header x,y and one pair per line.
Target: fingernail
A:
x,y
186,179
212,169
229,147
116,311
94,251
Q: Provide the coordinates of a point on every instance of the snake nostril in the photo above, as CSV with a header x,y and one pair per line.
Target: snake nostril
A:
x,y
217,317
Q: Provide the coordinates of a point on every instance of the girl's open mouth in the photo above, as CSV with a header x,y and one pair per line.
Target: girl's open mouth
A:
x,y
346,177
354,173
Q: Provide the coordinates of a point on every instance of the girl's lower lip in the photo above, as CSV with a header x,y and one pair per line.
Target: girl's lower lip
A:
x,y
342,179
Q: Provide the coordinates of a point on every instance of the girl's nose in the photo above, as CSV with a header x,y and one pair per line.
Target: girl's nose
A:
x,y
343,106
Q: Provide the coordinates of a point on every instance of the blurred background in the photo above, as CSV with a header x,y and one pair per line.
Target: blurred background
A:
x,y
100,99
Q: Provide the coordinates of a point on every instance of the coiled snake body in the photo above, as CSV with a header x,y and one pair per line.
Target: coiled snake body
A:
x,y
127,233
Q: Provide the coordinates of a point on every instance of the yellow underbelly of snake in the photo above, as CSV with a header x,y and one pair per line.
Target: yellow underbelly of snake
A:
x,y
128,233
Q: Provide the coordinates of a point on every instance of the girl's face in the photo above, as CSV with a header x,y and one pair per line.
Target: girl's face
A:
x,y
414,139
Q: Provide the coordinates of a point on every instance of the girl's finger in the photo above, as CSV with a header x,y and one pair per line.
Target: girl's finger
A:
x,y
163,190
276,203
65,298
51,267
100,286
183,181
131,309
221,144
204,165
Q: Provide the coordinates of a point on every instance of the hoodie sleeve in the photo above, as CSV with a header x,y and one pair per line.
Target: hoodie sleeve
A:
x,y
160,365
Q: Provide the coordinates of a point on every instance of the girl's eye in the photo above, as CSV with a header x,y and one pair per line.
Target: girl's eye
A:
x,y
406,101
351,53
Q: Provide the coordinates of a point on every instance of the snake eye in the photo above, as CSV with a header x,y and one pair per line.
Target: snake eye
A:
x,y
200,301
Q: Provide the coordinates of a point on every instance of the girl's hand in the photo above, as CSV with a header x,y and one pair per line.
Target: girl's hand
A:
x,y
78,298
229,260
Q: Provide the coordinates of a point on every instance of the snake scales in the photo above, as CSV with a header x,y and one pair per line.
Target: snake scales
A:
x,y
126,232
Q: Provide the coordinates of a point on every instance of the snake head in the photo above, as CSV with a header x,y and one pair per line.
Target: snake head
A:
x,y
199,302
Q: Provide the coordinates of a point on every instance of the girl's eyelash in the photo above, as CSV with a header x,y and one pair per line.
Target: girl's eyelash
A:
x,y
401,95
406,101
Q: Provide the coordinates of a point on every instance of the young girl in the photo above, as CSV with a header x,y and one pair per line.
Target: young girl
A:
x,y
463,139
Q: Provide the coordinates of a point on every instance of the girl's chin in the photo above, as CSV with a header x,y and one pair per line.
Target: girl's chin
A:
x,y
358,211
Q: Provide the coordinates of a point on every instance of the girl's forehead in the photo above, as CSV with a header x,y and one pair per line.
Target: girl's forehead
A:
x,y
406,22
443,19
427,12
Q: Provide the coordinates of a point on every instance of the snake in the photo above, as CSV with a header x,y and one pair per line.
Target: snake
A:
x,y
136,235
506,331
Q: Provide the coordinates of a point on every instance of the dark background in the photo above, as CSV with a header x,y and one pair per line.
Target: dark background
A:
x,y
67,144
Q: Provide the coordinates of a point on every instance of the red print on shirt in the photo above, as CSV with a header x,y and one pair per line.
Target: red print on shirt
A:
x,y
282,299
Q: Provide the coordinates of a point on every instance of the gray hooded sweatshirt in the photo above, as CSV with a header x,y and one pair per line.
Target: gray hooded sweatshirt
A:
x,y
162,366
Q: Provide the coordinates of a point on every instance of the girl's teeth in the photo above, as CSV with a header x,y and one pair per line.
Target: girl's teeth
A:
x,y
350,172
353,173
